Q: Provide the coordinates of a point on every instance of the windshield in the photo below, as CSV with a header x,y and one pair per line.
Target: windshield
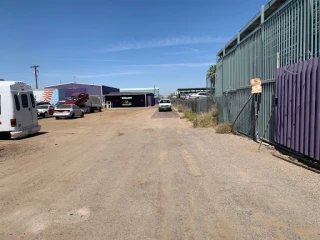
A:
x,y
72,98
43,107
65,106
164,101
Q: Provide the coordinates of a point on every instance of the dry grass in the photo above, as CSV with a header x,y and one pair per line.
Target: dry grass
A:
x,y
191,116
207,120
181,108
204,120
224,128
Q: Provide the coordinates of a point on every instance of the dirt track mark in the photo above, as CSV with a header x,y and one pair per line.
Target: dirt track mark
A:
x,y
192,163
163,157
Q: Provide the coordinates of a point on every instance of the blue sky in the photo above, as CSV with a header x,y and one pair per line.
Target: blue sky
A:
x,y
119,43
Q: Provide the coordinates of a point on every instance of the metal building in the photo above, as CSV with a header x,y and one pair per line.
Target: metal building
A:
x,y
153,90
130,99
283,33
91,89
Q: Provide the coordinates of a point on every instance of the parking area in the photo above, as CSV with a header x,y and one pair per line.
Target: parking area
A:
x,y
165,114
127,174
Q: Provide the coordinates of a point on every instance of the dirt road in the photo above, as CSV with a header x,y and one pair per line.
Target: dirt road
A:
x,y
123,174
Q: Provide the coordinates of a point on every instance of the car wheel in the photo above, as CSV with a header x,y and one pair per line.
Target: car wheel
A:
x,y
57,118
45,115
82,115
72,116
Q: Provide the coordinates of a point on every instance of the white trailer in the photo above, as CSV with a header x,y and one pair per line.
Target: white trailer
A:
x,y
18,110
93,103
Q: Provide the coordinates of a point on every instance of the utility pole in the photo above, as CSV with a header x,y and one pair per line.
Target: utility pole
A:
x,y
36,74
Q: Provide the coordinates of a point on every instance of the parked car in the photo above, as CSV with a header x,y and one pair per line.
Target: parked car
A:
x,y
68,111
18,111
199,95
165,104
59,103
45,111
43,103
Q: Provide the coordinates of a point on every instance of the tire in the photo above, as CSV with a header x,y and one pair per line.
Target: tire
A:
x,y
45,115
57,118
100,109
82,115
72,116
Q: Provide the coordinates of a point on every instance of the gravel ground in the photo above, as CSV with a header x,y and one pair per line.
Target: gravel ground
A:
x,y
123,174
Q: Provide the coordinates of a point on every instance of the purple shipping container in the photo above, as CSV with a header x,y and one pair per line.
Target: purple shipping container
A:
x,y
297,112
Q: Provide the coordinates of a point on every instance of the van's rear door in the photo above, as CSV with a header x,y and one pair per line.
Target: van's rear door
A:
x,y
34,111
25,115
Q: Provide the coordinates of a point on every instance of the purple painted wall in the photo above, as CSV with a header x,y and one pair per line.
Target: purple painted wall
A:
x,y
70,91
297,113
71,88
150,100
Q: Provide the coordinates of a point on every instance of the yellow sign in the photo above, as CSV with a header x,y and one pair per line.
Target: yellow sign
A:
x,y
256,85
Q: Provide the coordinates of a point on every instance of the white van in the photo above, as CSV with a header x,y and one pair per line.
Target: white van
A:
x,y
18,110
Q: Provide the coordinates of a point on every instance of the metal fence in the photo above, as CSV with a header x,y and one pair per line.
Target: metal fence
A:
x,y
238,108
196,106
288,35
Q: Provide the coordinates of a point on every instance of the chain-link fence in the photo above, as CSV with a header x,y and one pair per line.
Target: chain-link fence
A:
x,y
238,108
196,106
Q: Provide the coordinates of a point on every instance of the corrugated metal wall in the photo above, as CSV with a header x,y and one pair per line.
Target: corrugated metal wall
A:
x,y
293,32
107,90
70,88
298,109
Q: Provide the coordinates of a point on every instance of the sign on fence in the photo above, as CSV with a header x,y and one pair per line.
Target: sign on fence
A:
x,y
256,85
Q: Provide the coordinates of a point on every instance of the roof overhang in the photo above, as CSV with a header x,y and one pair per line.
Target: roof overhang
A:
x,y
252,25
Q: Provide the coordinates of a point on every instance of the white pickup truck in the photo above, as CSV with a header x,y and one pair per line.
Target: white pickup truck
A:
x,y
165,104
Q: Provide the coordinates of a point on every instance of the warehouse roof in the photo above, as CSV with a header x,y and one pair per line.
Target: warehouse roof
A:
x,y
61,84
135,89
191,89
127,93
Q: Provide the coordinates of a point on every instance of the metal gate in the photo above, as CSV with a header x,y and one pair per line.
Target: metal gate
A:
x,y
297,110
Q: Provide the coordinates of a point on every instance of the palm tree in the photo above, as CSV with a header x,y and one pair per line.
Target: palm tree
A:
x,y
211,74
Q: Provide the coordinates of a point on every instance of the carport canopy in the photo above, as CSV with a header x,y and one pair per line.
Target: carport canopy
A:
x,y
129,94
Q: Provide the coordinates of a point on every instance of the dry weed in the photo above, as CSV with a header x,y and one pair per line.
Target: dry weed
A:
x,y
224,128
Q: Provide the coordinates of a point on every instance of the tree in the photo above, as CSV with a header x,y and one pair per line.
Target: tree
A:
x,y
211,74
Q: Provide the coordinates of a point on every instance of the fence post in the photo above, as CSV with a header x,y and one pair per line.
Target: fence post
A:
x,y
256,130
